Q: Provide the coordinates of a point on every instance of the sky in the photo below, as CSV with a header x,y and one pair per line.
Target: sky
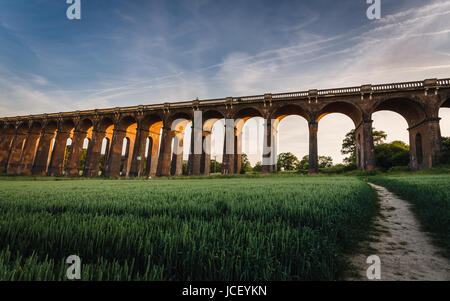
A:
x,y
124,53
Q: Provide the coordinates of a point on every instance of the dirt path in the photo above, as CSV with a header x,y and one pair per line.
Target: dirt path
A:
x,y
405,251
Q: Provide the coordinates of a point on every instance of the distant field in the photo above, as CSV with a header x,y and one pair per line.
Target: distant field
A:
x,y
212,229
430,196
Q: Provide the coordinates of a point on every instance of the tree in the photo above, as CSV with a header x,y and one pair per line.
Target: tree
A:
x,y
287,161
66,155
215,166
257,167
245,164
304,163
392,154
349,144
185,168
323,161
83,158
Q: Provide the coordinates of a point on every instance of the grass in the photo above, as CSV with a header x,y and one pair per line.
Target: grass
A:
x,y
430,196
269,228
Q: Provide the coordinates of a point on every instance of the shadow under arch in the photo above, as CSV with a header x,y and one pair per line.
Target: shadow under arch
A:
x,y
290,110
412,111
86,125
342,107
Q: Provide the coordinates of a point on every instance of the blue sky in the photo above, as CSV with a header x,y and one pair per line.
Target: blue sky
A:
x,y
141,52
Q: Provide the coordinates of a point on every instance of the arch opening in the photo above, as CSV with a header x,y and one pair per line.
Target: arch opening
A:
x,y
394,150
104,155
333,128
253,140
125,155
180,145
212,142
84,150
67,150
152,126
293,138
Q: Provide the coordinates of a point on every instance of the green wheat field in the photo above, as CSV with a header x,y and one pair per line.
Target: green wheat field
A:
x,y
286,228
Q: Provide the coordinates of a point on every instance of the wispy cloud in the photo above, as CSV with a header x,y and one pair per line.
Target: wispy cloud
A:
x,y
152,55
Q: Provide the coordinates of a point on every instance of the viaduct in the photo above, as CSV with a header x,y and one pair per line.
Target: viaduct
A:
x,y
36,144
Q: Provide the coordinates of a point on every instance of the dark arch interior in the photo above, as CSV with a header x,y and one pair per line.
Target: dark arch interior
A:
x,y
150,120
212,114
288,110
86,124
105,123
410,110
9,129
36,127
446,104
179,116
248,113
126,122
22,129
344,108
51,127
67,125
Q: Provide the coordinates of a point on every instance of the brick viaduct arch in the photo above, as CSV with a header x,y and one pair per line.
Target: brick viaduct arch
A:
x,y
36,144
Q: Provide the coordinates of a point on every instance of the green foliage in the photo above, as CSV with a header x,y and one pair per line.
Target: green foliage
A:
x,y
82,157
245,164
392,154
430,196
185,168
324,162
445,151
257,167
215,167
349,144
287,161
286,228
66,155
335,169
222,207
397,169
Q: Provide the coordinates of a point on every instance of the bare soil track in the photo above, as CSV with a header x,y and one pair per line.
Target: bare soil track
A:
x,y
405,251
